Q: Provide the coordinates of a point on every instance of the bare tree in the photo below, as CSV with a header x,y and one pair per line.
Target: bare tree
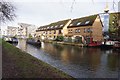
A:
x,y
7,11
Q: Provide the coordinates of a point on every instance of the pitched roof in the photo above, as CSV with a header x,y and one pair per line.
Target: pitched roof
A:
x,y
84,21
53,26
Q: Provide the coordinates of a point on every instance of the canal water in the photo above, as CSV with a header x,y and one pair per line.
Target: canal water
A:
x,y
76,61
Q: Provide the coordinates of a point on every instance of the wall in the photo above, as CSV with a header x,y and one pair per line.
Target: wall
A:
x,y
97,30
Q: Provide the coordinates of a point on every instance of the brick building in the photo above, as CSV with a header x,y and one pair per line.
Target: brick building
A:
x,y
86,27
53,30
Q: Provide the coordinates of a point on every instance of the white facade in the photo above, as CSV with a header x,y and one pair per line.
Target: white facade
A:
x,y
12,31
3,33
26,30
22,32
31,30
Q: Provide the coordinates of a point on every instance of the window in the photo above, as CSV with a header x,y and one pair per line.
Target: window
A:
x,y
50,32
59,31
89,30
54,32
61,25
71,24
85,30
87,22
51,26
78,23
77,30
56,26
70,30
47,27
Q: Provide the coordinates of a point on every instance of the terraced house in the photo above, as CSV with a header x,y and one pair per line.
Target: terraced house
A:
x,y
53,30
88,28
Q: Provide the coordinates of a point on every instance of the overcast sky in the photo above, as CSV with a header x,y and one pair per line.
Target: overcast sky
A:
x,y
43,12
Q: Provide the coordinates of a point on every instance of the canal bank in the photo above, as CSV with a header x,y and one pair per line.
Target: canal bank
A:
x,y
66,43
19,64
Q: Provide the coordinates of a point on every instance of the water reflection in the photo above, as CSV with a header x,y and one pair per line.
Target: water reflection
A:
x,y
22,44
75,55
113,61
76,61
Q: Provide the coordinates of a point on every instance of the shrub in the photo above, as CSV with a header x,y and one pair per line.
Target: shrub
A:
x,y
78,39
69,39
59,38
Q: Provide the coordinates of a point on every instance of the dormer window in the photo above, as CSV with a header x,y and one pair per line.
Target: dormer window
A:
x,y
51,26
71,24
87,22
47,27
56,26
61,25
78,23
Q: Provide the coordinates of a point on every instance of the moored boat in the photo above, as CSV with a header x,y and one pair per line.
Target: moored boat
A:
x,y
33,42
107,45
94,44
116,45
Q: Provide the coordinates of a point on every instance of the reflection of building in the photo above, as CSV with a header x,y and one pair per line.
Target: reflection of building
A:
x,y
11,31
53,30
113,61
88,27
22,44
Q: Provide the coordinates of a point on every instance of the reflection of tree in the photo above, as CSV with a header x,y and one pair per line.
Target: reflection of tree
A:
x,y
113,61
53,49
72,54
58,47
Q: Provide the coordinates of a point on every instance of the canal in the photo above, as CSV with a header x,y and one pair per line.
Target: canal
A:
x,y
76,61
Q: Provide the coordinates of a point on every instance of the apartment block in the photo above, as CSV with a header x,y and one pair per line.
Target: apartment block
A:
x,y
26,30
86,27
12,31
53,30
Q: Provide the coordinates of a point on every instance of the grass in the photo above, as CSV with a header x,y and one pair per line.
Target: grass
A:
x,y
0,41
18,64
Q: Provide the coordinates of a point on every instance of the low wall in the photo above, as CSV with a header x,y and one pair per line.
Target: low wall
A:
x,y
66,43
